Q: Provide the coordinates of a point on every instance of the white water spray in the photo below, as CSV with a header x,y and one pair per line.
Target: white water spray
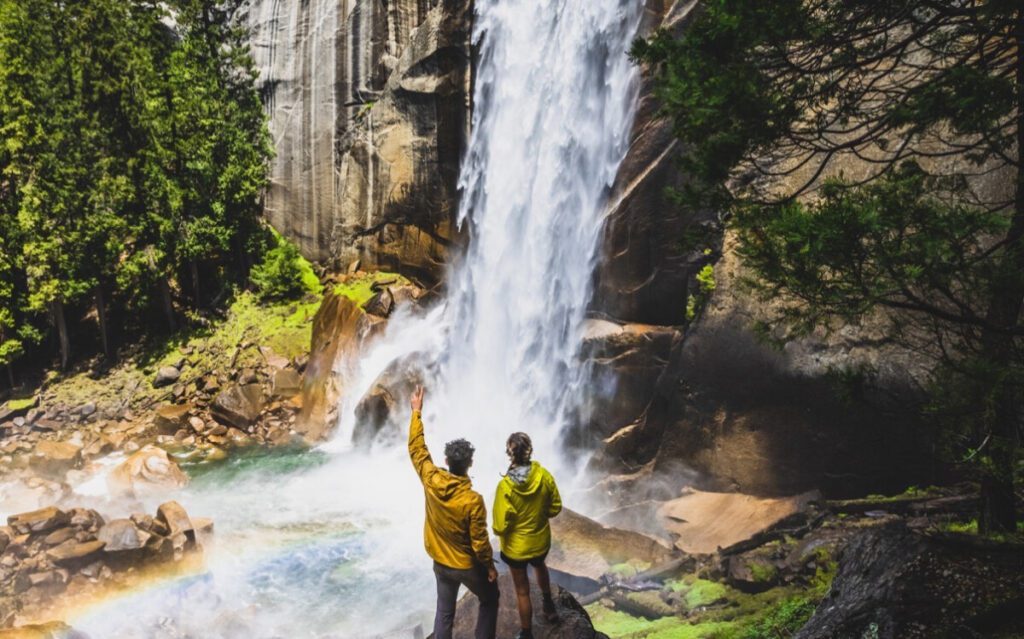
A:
x,y
331,546
553,105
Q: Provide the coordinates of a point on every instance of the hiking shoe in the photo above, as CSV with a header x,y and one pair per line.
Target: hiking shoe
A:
x,y
550,612
525,634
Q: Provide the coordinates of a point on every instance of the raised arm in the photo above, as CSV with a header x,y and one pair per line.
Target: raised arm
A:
x,y
418,451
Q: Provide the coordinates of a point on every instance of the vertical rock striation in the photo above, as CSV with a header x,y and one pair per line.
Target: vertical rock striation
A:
x,y
368,106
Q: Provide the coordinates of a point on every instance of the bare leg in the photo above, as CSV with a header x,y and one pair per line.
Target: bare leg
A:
x,y
544,581
522,582
543,578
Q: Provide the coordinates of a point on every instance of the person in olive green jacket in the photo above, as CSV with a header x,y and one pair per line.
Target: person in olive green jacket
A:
x,y
455,530
527,497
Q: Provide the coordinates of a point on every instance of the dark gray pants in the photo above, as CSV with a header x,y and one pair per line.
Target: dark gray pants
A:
x,y
475,579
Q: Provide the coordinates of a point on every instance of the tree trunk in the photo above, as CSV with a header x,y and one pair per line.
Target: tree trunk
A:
x,y
999,509
165,294
62,333
101,316
194,268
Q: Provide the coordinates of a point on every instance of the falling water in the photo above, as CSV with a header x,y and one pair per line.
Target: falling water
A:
x,y
329,544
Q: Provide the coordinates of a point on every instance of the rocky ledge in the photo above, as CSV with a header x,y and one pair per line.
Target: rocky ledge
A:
x,y
52,556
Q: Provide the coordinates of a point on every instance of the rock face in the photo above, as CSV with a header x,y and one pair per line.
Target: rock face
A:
x,y
645,275
369,110
339,328
895,583
573,623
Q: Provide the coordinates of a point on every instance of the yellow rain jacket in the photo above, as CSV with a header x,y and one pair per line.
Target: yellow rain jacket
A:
x,y
455,532
521,513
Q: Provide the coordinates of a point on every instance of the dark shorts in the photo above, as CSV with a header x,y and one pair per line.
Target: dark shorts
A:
x,y
521,564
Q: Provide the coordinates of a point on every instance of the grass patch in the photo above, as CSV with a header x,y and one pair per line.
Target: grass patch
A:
x,y
970,527
285,327
21,404
782,621
359,288
620,625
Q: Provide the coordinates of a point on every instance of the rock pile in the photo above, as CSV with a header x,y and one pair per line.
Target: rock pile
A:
x,y
50,553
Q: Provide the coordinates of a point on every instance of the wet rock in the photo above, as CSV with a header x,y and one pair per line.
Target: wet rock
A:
x,y
73,553
55,458
286,383
148,470
239,406
171,417
573,620
381,304
585,550
751,574
59,536
172,515
340,330
122,535
166,376
38,521
372,414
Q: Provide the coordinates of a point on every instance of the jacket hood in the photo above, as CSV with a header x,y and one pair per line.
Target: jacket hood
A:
x,y
446,485
529,485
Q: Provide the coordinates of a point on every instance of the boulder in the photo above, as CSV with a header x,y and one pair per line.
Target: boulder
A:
x,y
170,418
573,621
149,470
285,382
626,363
372,413
173,516
166,376
585,551
751,574
73,553
39,521
238,406
121,535
381,304
55,458
895,583
341,330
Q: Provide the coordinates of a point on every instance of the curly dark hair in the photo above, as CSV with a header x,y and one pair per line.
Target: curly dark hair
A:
x,y
459,454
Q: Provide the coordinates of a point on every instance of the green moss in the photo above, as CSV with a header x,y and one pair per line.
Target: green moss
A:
x,y
359,289
620,625
700,592
629,569
970,527
763,573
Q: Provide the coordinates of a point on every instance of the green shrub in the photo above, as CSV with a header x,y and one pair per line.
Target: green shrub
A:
x,y
783,621
283,274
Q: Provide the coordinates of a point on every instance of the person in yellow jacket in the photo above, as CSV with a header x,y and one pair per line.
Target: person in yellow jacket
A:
x,y
527,497
455,531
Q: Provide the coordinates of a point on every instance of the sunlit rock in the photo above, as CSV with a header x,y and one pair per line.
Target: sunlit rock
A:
x,y
147,471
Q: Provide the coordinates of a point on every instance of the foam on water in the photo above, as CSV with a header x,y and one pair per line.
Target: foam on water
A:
x,y
330,545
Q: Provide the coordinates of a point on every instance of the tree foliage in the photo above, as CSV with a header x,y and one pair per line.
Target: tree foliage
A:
x,y
133,157
867,156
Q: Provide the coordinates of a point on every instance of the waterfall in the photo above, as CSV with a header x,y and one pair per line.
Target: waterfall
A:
x,y
553,104
329,543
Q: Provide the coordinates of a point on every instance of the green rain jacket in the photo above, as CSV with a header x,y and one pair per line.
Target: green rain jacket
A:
x,y
522,511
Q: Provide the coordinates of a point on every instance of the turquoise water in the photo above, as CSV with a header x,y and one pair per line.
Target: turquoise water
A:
x,y
305,545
